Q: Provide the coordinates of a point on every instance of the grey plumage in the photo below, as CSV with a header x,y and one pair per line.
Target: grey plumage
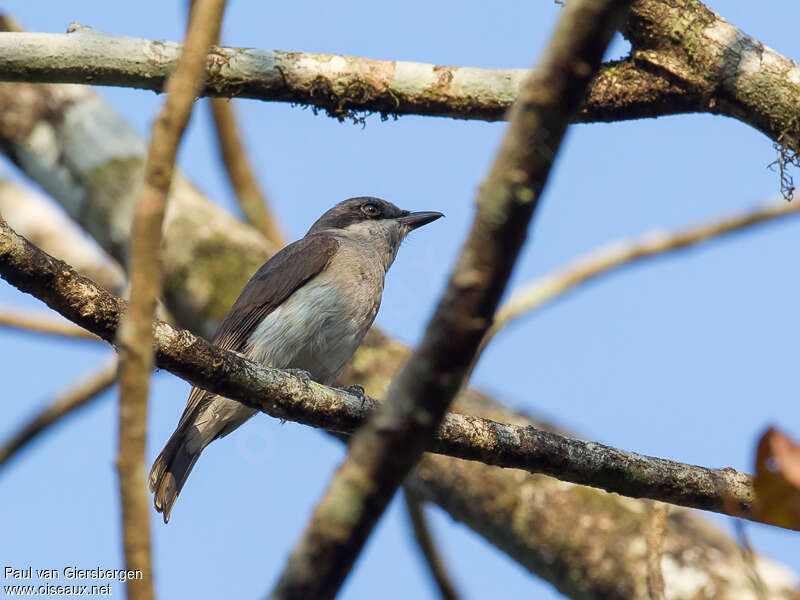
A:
x,y
307,308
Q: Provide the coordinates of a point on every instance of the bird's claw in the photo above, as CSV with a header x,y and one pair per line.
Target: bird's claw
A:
x,y
356,390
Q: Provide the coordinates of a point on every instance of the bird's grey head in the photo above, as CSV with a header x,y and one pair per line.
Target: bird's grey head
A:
x,y
373,222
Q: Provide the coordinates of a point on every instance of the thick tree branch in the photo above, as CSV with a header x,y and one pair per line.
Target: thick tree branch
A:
x,y
286,396
685,59
587,553
65,405
135,333
726,70
343,86
337,84
39,220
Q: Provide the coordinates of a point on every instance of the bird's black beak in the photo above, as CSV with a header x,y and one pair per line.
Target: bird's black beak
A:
x,y
418,219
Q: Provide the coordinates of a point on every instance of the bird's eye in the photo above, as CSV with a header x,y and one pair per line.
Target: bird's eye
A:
x,y
370,210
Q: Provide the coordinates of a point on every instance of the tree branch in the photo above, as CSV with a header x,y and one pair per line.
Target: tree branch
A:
x,y
39,220
77,396
252,201
422,536
135,334
587,544
537,294
726,70
684,59
655,543
286,396
42,323
343,86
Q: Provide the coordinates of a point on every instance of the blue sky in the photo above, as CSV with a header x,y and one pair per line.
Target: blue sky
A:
x,y
688,357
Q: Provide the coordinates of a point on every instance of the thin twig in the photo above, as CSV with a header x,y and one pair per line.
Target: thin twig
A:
x,y
655,542
749,558
40,322
384,450
77,396
135,337
286,396
424,540
249,194
606,259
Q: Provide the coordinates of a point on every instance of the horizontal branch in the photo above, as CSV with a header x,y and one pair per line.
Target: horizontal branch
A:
x,y
338,84
341,85
286,396
684,59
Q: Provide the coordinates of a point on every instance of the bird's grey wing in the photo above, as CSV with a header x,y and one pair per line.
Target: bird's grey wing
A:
x,y
273,283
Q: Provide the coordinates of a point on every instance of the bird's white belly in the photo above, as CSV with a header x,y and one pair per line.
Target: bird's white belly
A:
x,y
317,329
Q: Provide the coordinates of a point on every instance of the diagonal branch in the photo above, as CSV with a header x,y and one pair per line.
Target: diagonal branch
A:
x,y
45,225
600,262
420,528
383,451
135,334
286,396
249,195
42,323
71,400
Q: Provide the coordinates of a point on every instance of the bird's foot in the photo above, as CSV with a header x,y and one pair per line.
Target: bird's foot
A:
x,y
356,390
304,376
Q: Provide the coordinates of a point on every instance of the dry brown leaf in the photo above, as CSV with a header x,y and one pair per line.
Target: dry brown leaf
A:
x,y
777,481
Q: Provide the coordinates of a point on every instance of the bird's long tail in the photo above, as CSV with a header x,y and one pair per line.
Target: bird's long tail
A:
x,y
171,469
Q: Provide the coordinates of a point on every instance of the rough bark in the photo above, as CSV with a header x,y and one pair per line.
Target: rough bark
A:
x,y
588,545
727,71
684,59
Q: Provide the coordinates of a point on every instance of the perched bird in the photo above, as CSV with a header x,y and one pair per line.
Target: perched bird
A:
x,y
306,308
